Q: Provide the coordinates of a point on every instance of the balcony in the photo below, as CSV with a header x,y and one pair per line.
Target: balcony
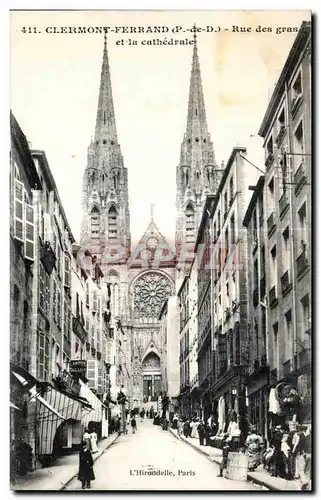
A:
x,y
255,297
284,204
286,284
269,160
302,263
279,138
300,178
78,329
273,297
262,287
271,224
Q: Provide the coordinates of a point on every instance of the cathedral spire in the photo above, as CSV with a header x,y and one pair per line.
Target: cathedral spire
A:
x,y
105,121
196,115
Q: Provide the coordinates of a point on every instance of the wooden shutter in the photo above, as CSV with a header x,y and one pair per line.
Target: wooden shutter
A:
x,y
94,306
67,272
59,308
47,293
18,211
92,374
54,300
65,322
47,227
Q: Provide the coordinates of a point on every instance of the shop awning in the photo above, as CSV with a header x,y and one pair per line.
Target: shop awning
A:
x,y
35,394
14,406
26,381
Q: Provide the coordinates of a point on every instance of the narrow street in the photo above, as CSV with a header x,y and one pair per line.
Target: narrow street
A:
x,y
123,465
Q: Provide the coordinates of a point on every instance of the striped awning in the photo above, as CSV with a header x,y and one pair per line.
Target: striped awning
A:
x,y
65,409
94,415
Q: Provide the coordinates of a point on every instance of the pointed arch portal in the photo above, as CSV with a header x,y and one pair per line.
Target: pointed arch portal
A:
x,y
152,379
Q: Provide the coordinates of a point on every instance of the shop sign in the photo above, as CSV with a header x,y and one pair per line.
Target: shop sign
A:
x,y
78,367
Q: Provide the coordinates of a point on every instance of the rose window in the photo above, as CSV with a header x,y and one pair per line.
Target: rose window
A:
x,y
150,292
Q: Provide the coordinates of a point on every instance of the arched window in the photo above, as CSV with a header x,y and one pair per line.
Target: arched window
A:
x,y
190,224
94,223
112,223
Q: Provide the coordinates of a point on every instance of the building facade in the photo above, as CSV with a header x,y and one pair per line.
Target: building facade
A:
x,y
229,261
258,367
24,179
286,129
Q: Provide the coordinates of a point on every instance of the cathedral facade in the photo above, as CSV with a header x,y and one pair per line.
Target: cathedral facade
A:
x,y
141,279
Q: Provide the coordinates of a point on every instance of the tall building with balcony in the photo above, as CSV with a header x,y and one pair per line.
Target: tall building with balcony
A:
x,y
286,130
205,357
24,179
229,291
258,382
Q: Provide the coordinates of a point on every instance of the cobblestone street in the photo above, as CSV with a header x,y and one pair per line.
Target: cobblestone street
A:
x,y
152,449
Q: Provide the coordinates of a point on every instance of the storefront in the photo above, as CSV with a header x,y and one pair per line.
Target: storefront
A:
x,y
96,417
258,395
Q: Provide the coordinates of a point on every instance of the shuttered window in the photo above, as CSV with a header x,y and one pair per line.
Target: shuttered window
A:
x,y
92,374
18,210
29,243
67,272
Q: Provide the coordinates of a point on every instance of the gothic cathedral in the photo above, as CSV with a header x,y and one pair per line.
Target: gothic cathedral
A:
x,y
141,279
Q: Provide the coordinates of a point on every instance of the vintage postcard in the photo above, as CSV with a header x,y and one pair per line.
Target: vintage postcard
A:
x,y
160,250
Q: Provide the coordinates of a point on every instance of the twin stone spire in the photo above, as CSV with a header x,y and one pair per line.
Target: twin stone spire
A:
x,y
105,183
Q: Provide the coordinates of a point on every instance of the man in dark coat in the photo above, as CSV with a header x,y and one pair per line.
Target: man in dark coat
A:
x,y
86,472
201,433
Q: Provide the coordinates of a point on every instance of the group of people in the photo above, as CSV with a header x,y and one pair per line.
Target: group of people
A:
x,y
289,454
194,427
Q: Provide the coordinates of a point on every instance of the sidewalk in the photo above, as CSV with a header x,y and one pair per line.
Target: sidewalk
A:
x,y
58,476
259,476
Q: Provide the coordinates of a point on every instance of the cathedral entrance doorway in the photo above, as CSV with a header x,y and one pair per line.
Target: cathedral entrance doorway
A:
x,y
152,379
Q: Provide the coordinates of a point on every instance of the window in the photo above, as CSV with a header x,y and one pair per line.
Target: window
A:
x,y
298,146
297,88
286,249
276,329
112,223
281,122
273,267
44,290
269,146
95,223
94,306
42,356
231,189
288,335
67,272
306,323
232,229
59,308
225,204
256,274
189,224
302,229
54,301
226,249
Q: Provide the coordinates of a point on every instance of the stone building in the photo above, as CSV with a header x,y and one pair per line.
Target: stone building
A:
x,y
188,339
24,179
258,364
229,292
286,129
205,358
169,321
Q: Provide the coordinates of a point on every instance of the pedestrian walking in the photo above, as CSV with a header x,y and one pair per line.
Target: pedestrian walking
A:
x,y
86,438
86,472
93,441
133,424
255,448
201,433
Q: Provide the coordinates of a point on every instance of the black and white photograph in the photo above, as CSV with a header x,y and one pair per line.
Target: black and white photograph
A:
x,y
160,250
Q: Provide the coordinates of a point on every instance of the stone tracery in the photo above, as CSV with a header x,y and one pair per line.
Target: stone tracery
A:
x,y
150,292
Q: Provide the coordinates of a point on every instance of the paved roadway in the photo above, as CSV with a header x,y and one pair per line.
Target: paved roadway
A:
x,y
151,449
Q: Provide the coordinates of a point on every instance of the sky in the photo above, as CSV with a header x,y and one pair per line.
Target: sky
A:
x,y
54,84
